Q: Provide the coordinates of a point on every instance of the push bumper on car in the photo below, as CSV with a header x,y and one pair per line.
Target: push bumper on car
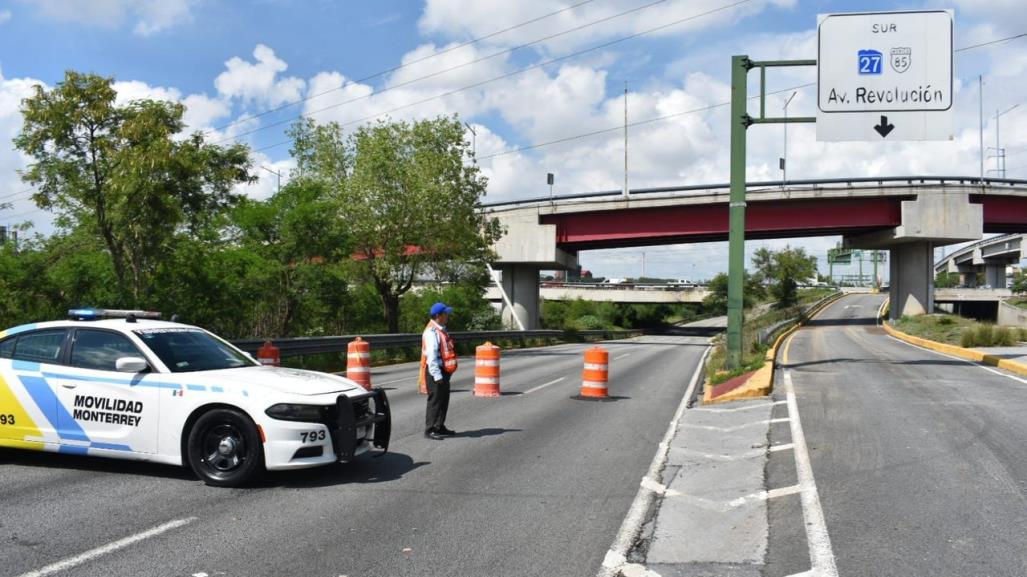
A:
x,y
369,413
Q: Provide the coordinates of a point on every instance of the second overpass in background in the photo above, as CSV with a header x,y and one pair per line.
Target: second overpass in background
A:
x,y
613,293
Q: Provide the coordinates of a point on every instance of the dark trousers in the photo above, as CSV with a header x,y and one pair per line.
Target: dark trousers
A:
x,y
438,402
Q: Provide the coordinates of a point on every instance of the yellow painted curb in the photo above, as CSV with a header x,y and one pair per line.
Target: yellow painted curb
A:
x,y
761,383
963,353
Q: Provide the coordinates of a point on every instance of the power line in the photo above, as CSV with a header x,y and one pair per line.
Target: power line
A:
x,y
990,42
518,71
452,68
637,123
404,65
19,193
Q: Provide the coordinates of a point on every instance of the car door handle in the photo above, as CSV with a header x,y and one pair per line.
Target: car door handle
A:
x,y
68,385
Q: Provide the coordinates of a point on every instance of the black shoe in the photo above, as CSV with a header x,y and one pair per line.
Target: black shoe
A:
x,y
446,432
433,435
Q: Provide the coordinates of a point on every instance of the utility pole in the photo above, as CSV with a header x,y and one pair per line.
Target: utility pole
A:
x,y
474,143
980,105
626,139
1000,154
784,159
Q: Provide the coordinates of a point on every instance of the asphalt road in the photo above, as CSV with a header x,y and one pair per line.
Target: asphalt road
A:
x,y
536,483
920,460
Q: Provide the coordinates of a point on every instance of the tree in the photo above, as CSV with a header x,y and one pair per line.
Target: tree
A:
x,y
716,301
946,280
409,200
125,173
1019,284
784,270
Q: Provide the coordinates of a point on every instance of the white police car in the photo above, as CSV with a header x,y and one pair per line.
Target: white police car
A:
x,y
123,384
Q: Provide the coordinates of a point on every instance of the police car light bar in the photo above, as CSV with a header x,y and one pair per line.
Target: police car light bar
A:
x,y
91,314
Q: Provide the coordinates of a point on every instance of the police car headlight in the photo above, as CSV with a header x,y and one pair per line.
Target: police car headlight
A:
x,y
296,412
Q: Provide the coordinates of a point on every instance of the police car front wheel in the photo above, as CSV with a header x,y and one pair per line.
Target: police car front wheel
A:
x,y
224,448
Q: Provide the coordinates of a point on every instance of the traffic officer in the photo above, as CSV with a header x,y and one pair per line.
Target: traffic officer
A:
x,y
438,363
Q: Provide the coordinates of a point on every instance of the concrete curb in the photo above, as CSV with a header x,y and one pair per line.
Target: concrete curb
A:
x,y
956,351
761,383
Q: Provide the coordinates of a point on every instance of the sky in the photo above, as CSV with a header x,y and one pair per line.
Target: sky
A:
x,y
523,74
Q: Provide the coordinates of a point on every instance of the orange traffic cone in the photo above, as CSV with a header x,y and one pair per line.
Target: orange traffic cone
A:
x,y
358,362
486,370
596,373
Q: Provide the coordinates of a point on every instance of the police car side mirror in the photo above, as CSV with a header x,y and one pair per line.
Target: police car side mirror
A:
x,y
131,365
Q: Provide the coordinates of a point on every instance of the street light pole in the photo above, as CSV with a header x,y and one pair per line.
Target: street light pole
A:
x,y
277,173
784,159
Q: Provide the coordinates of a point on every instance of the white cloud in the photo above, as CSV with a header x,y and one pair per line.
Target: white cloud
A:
x,y
12,189
5,16
464,20
148,16
200,110
258,82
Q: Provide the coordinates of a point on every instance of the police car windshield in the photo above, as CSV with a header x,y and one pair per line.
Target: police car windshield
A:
x,y
188,350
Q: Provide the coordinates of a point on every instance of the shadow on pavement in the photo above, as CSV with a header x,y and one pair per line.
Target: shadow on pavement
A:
x,y
46,460
932,362
479,433
366,469
841,322
690,331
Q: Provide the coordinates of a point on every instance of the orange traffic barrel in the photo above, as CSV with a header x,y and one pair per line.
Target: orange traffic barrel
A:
x,y
486,370
596,373
358,362
268,354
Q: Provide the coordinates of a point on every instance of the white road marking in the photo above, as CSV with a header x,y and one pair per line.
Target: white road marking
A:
x,y
821,554
735,428
766,495
967,361
616,559
108,548
622,356
396,381
721,456
542,386
783,447
747,408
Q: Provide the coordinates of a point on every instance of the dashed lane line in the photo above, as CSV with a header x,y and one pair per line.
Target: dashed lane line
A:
x,y
107,549
542,386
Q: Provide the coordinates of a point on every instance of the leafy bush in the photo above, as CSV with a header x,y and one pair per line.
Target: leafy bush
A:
x,y
1005,337
946,321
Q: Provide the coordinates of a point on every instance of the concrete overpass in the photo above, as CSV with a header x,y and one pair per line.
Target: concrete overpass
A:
x,y
990,256
907,215
613,294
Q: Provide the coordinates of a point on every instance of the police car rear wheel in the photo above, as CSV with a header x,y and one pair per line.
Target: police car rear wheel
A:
x,y
224,448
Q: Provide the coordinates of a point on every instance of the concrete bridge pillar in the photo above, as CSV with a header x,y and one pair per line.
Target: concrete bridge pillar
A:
x,y
995,275
520,283
912,279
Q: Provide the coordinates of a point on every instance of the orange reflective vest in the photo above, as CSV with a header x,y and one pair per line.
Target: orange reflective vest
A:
x,y
447,351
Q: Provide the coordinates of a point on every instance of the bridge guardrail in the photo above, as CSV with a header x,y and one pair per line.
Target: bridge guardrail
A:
x,y
814,183
299,346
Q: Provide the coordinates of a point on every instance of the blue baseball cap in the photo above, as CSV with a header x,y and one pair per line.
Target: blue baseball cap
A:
x,y
439,308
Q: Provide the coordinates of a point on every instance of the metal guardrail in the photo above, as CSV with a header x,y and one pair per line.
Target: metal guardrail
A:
x,y
295,347
765,333
768,184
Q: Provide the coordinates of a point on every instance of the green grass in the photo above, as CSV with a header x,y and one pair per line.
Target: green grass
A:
x,y
956,330
753,352
1020,302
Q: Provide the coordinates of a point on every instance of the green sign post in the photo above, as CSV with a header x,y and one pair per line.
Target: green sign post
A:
x,y
740,123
